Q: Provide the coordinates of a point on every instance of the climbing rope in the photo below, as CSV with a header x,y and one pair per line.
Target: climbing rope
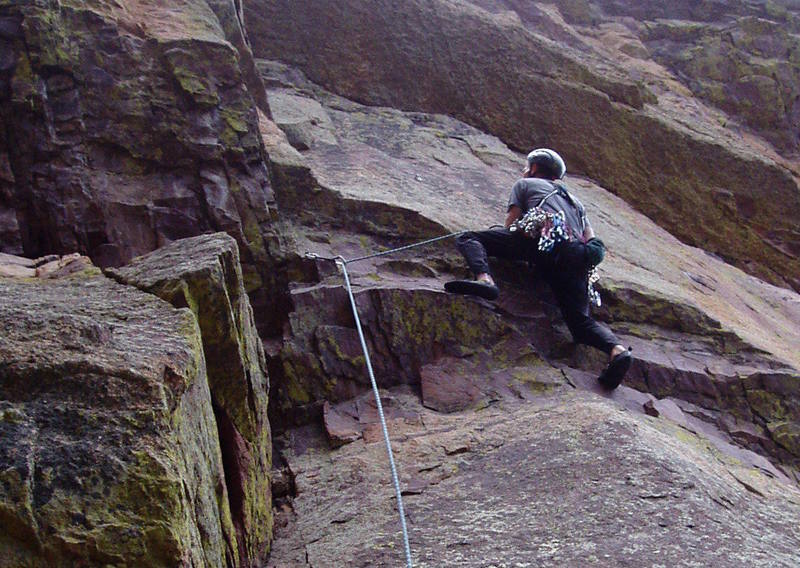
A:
x,y
343,262
339,259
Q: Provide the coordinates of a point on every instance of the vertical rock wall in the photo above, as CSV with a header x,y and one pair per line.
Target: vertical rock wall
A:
x,y
204,274
129,125
493,72
109,452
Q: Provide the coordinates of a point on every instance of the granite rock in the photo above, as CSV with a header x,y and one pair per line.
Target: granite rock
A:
x,y
702,331
569,480
128,126
502,75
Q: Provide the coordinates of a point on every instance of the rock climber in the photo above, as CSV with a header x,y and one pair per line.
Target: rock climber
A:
x,y
547,225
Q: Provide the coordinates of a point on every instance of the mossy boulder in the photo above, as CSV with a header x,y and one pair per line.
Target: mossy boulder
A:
x,y
203,273
109,452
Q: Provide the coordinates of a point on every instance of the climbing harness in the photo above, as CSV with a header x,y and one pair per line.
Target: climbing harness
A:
x,y
343,262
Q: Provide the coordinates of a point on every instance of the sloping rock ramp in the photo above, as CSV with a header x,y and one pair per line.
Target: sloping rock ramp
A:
x,y
567,479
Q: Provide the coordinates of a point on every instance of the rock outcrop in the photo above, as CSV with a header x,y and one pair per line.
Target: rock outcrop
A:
x,y
134,432
109,451
204,274
691,318
750,68
498,73
580,482
137,416
739,56
127,126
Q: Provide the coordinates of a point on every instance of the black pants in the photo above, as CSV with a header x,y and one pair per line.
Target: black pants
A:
x,y
564,269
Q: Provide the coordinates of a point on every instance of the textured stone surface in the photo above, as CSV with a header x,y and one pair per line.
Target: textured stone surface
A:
x,y
204,274
499,74
129,125
702,331
108,445
51,266
739,56
741,67
570,480
358,418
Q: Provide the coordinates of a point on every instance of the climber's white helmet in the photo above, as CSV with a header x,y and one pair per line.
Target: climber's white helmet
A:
x,y
549,160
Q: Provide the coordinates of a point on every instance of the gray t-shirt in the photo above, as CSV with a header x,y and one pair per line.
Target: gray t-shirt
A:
x,y
527,193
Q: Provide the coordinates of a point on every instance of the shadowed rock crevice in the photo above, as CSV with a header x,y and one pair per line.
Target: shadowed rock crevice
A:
x,y
204,274
235,458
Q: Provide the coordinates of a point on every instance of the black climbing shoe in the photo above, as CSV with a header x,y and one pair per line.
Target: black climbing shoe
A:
x,y
473,288
612,376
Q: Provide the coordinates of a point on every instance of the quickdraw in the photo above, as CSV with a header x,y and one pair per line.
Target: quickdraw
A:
x,y
548,227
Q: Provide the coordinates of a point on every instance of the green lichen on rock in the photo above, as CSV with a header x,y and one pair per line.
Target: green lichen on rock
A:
x,y
204,274
418,322
787,435
295,375
775,400
49,31
170,80
405,331
109,452
768,405
195,86
236,120
744,67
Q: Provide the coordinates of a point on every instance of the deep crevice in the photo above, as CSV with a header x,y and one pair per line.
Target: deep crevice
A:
x,y
234,463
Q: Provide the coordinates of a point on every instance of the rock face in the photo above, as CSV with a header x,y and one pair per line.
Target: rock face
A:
x,y
580,482
703,332
108,445
500,74
740,67
136,430
204,274
125,375
738,56
129,126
